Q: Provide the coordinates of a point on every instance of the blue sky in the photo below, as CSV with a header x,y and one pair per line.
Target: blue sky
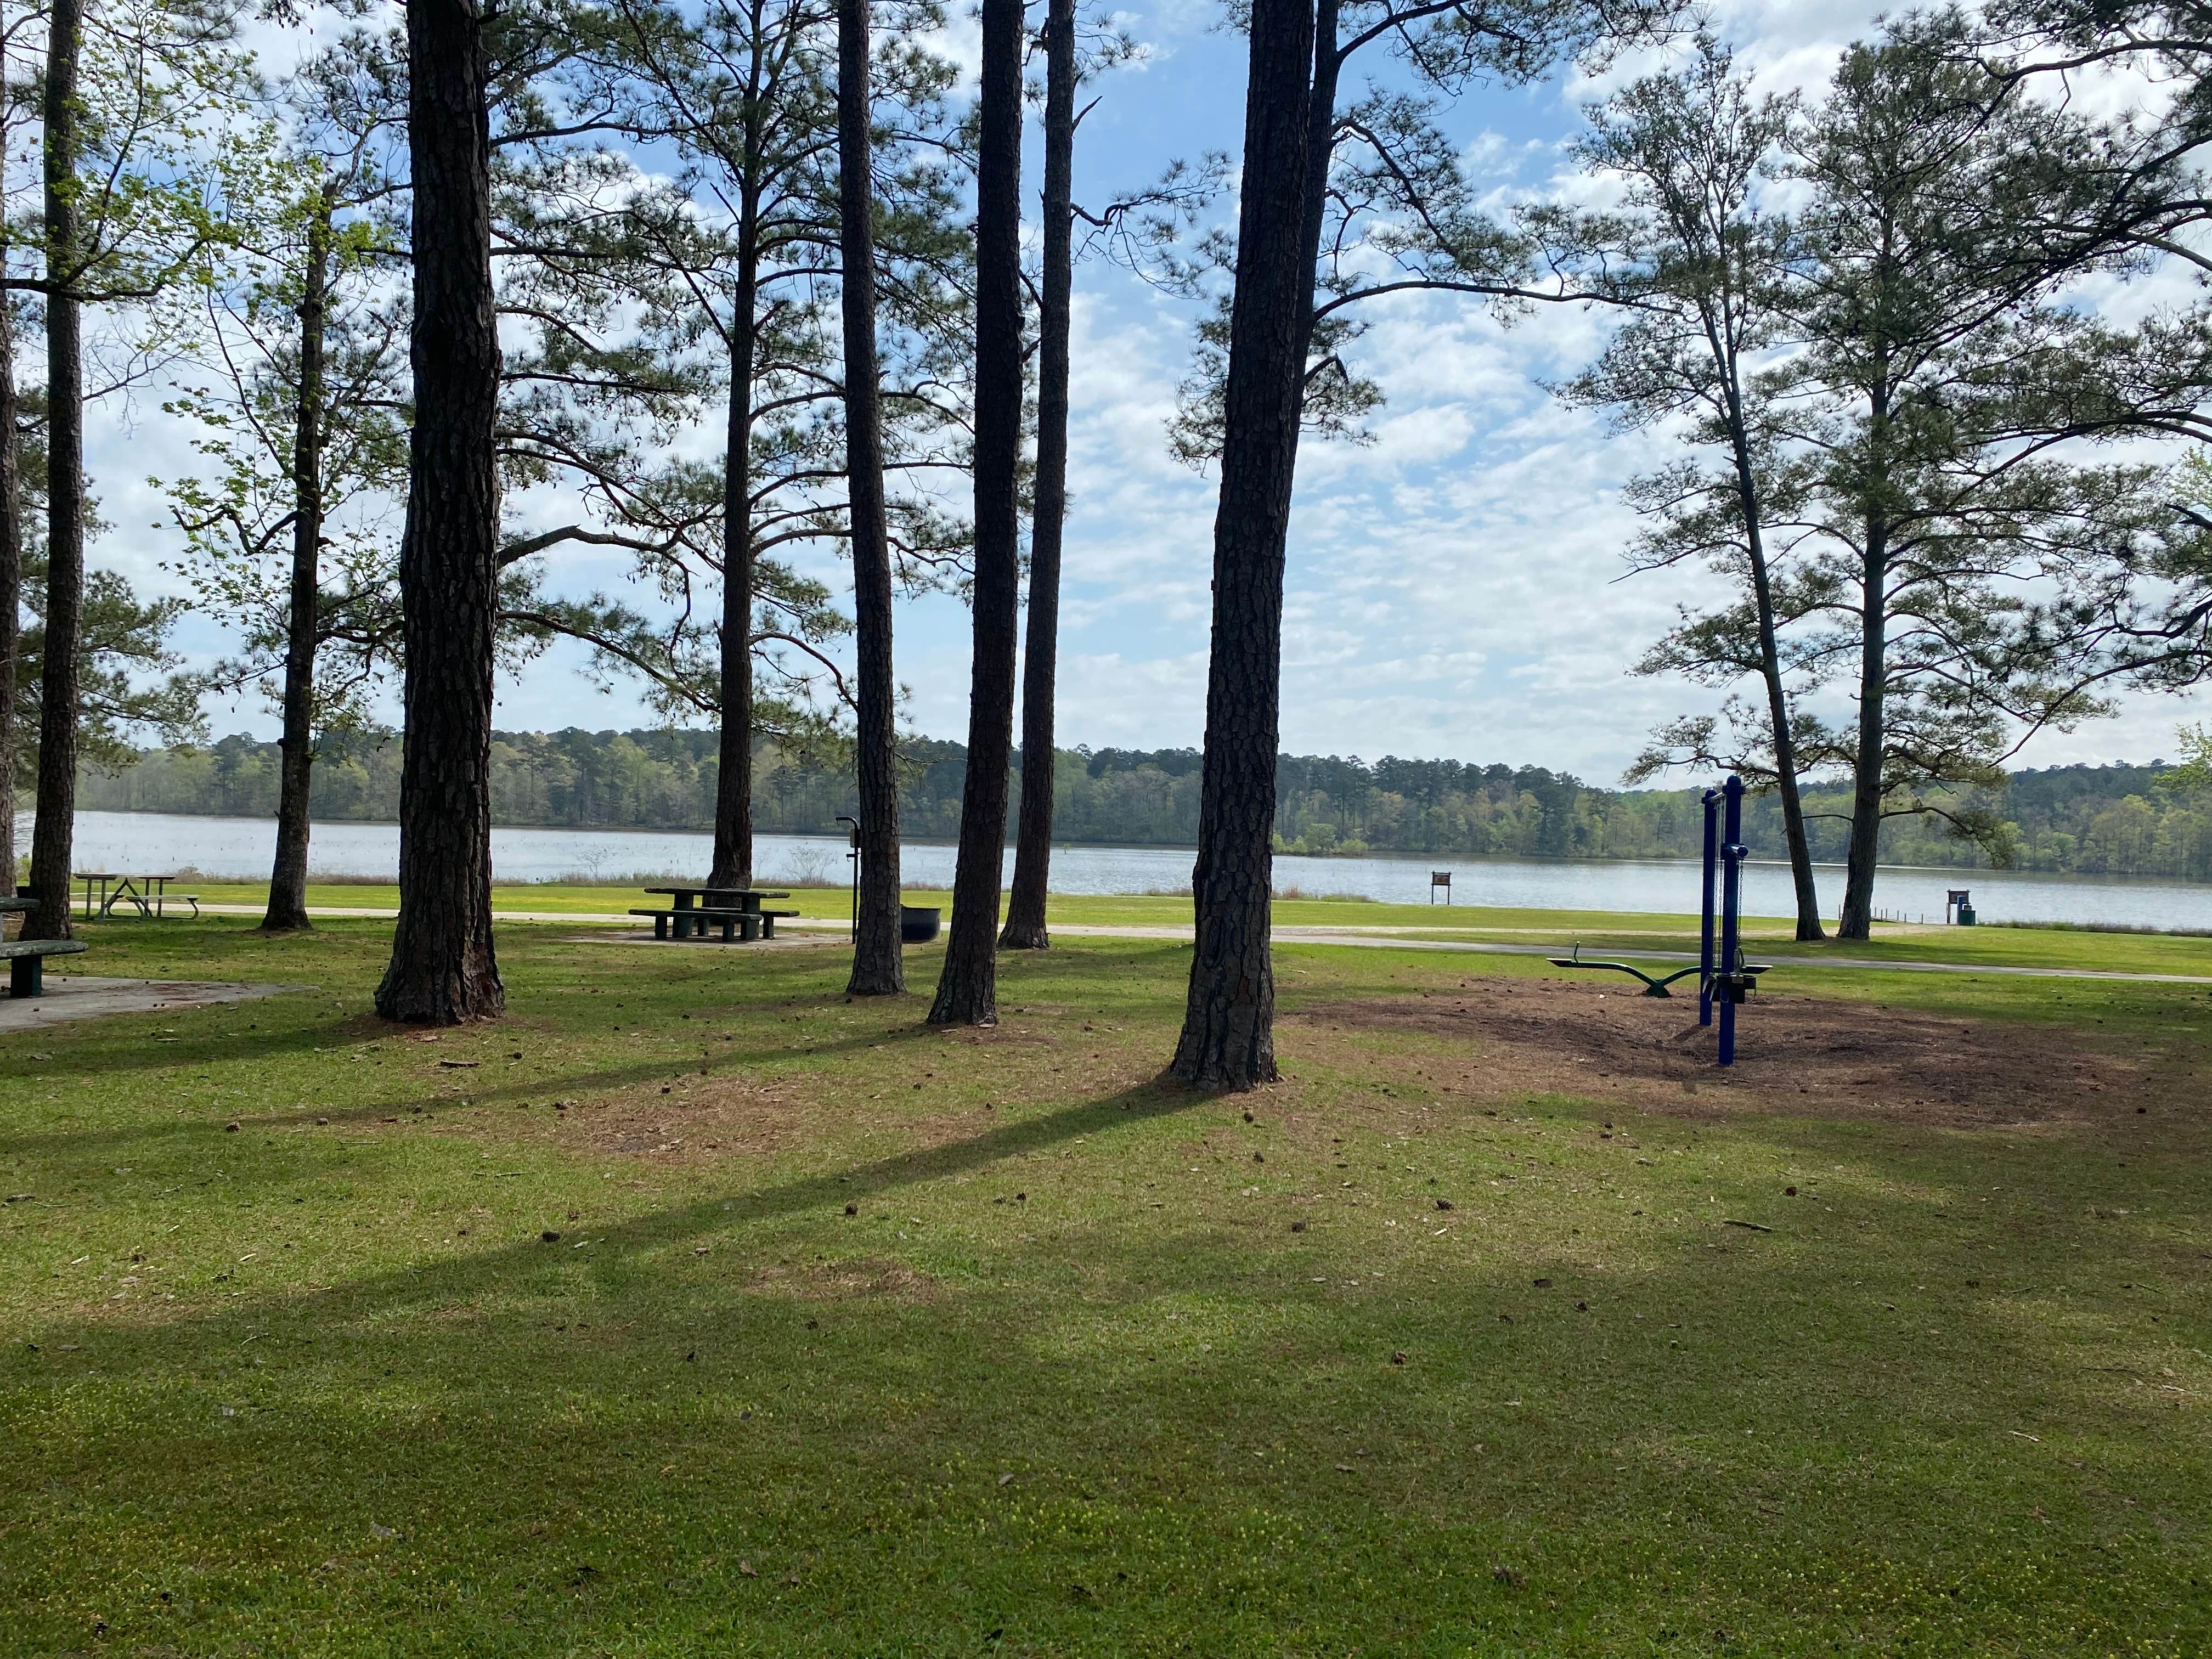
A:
x,y
1455,586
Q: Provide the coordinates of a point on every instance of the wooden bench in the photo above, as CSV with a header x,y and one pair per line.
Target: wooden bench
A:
x,y
768,919
692,921
27,960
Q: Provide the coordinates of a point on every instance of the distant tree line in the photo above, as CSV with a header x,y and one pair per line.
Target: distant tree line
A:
x,y
2117,820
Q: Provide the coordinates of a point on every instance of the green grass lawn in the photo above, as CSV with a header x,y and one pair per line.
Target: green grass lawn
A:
x,y
1604,930
860,1339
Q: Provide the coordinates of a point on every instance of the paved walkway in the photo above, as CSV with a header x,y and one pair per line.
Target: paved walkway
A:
x,y
1386,938
79,996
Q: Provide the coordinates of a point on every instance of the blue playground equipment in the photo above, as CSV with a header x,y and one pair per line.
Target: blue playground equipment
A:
x,y
1733,982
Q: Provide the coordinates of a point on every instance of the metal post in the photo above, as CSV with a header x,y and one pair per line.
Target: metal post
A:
x,y
1732,856
853,858
1705,924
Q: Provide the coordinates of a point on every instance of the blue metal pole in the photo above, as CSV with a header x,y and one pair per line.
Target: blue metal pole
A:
x,y
1705,925
1732,852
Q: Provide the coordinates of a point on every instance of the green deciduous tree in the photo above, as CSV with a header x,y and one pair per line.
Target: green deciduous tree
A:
x,y
299,397
129,92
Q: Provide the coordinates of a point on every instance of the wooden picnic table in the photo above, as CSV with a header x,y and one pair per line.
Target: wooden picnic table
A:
x,y
692,910
148,894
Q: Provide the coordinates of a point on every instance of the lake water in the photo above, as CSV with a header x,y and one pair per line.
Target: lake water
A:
x,y
241,848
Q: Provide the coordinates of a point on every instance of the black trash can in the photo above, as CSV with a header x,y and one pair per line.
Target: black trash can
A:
x,y
918,923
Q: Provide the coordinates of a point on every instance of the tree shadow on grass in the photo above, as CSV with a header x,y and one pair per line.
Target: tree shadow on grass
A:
x,y
829,1193
1213,1437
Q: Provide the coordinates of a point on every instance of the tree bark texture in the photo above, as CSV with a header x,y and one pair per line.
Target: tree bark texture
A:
x,y
879,967
733,783
1025,904
11,565
53,831
1228,1033
1809,922
1866,784
288,878
1770,661
1320,146
443,969
967,990
11,589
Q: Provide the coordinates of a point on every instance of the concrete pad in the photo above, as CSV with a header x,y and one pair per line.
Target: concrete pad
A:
x,y
76,996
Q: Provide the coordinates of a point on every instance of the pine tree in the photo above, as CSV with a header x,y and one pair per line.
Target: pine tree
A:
x,y
444,969
1701,260
1380,205
1025,902
1956,571
967,989
878,968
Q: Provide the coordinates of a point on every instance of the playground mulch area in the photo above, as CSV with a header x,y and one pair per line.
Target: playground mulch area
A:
x,y
1809,1056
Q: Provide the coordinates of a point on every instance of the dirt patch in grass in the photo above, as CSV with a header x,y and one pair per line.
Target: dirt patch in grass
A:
x,y
1795,1053
844,1281
696,1118
700,1120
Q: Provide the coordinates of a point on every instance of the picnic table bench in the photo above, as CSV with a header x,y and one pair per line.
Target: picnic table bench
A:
x,y
148,894
734,912
27,957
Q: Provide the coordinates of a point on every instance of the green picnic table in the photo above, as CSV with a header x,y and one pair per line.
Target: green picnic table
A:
x,y
27,957
734,912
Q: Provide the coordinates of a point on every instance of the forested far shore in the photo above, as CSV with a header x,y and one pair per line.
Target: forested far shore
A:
x,y
2106,820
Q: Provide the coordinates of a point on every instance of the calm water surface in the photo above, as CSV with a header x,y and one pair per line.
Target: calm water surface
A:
x,y
241,848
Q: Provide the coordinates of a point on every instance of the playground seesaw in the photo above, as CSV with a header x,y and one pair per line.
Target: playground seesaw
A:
x,y
1723,976
1749,972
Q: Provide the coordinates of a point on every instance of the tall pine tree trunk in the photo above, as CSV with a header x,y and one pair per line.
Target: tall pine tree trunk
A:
x,y
1228,1038
733,783
288,878
967,992
1770,666
1025,924
443,969
53,832
877,960
11,588
1800,845
1321,141
1873,738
